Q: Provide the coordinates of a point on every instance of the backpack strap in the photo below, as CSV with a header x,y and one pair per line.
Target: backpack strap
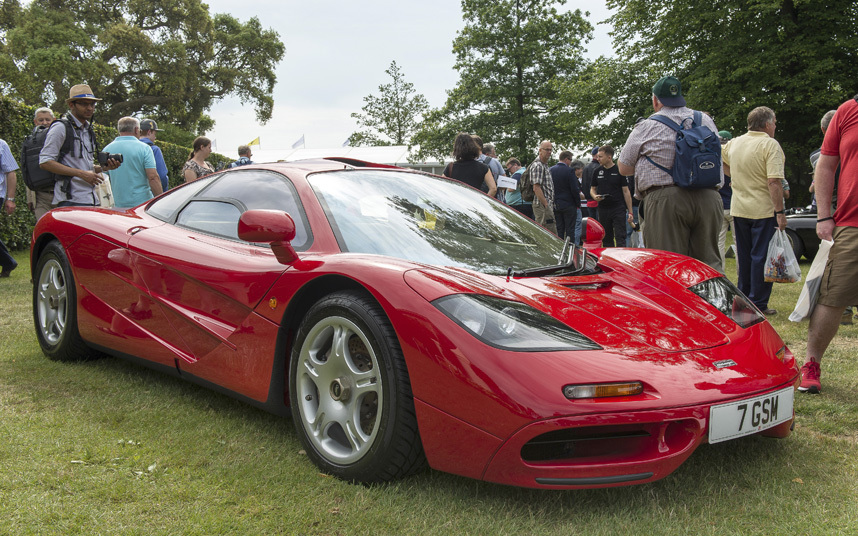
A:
x,y
69,139
67,148
659,166
665,121
697,119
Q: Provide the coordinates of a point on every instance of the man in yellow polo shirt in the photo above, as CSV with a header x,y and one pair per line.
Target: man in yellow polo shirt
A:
x,y
755,162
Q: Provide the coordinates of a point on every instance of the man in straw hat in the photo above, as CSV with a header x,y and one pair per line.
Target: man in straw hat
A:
x,y
78,176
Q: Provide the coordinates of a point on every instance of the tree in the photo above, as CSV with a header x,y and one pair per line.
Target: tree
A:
x,y
392,117
510,56
167,59
794,56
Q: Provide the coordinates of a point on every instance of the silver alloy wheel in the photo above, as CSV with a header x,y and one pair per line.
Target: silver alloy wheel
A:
x,y
52,301
339,390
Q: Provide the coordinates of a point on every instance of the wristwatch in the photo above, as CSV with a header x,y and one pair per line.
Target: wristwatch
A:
x,y
10,199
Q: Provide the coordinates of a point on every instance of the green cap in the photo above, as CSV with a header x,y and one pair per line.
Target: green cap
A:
x,y
725,135
669,91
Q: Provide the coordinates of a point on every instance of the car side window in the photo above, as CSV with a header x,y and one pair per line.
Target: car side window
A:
x,y
261,189
212,217
165,207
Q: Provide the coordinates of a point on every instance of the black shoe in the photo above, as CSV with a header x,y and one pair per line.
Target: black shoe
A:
x,y
770,312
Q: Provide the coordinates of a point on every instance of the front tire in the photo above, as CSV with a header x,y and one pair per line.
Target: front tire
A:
x,y
55,307
350,392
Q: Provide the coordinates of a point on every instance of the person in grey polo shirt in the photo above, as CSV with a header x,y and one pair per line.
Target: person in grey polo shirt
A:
x,y
79,162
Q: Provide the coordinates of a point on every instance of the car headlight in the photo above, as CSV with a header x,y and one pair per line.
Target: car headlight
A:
x,y
511,325
724,296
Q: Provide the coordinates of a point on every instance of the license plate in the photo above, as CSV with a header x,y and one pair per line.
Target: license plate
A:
x,y
746,417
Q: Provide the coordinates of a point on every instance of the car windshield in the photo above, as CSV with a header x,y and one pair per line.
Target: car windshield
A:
x,y
430,220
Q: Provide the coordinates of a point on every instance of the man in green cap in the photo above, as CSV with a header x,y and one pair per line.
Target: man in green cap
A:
x,y
682,220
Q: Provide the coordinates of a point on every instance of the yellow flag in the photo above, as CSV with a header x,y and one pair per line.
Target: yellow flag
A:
x,y
254,142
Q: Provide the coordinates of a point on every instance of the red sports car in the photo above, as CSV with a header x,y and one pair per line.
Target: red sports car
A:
x,y
403,318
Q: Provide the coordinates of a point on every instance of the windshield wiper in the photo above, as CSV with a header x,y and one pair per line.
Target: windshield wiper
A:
x,y
562,251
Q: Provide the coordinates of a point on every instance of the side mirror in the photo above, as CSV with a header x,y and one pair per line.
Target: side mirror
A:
x,y
270,226
593,233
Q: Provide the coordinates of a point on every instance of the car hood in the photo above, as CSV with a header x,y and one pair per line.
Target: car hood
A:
x,y
640,301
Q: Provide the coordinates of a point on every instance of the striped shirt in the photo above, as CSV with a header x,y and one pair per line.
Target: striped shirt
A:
x,y
657,141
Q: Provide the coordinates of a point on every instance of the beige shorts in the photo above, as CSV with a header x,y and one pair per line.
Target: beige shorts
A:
x,y
840,281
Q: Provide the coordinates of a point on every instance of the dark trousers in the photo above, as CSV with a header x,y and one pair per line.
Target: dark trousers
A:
x,y
613,219
752,248
6,260
565,220
526,209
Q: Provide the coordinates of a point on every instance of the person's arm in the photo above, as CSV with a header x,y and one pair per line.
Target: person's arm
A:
x,y
627,195
539,194
154,181
9,194
31,200
776,192
61,169
593,193
726,168
160,165
490,182
823,179
625,170
189,174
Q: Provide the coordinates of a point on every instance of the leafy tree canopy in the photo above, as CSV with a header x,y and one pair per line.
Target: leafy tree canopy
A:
x,y
794,56
391,118
166,59
510,56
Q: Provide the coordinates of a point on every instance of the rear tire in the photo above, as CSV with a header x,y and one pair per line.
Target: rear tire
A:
x,y
350,393
796,243
55,307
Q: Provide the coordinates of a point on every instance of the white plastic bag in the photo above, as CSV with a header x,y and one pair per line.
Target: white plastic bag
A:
x,y
781,264
105,192
636,240
810,292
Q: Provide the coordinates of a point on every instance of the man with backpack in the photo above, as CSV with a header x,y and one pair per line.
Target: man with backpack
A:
x,y
244,155
514,197
70,149
681,216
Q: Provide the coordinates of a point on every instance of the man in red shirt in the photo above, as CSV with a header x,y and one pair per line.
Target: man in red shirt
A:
x,y
840,282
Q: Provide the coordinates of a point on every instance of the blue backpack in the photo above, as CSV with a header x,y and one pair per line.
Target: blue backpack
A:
x,y
698,154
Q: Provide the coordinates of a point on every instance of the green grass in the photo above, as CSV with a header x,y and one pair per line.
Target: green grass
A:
x,y
107,447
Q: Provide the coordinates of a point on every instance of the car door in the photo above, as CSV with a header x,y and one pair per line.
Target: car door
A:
x,y
116,310
207,281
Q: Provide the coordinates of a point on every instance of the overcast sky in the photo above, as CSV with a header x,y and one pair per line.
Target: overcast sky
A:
x,y
336,54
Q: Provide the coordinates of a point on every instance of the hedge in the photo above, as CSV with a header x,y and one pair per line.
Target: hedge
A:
x,y
16,123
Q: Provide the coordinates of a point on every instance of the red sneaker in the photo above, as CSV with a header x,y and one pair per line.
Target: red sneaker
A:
x,y
810,378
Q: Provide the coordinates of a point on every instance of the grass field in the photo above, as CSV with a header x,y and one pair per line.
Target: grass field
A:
x,y
107,447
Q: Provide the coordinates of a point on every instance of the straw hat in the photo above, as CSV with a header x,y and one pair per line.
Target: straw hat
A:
x,y
81,92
